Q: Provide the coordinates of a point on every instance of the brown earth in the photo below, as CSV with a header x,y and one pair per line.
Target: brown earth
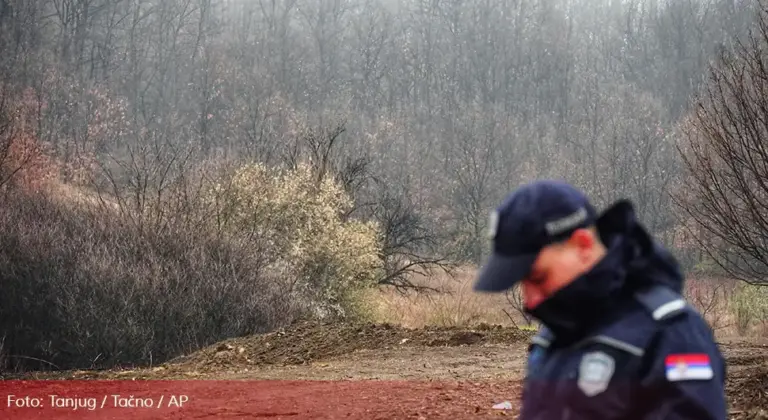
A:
x,y
385,371
747,378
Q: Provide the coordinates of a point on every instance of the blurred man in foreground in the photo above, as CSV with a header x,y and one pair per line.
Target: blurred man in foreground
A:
x,y
617,339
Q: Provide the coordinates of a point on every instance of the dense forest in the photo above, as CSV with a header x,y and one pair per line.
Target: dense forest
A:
x,y
426,112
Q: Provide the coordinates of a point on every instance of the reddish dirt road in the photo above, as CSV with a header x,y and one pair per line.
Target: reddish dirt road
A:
x,y
258,399
357,372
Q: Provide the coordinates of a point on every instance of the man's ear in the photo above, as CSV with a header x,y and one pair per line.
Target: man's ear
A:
x,y
586,243
583,239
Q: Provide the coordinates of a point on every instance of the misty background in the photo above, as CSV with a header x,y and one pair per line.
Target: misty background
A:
x,y
420,116
451,103
447,104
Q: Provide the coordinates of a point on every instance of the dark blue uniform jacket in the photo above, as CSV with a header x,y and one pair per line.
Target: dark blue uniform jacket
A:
x,y
628,346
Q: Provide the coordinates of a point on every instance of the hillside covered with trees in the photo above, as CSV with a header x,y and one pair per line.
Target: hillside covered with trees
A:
x,y
176,172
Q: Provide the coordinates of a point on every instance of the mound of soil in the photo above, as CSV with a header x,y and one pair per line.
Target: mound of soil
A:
x,y
311,341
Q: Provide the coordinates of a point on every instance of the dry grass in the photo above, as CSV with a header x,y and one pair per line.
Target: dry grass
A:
x,y
70,195
733,309
712,298
456,305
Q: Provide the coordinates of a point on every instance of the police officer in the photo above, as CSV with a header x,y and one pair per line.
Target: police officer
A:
x,y
617,340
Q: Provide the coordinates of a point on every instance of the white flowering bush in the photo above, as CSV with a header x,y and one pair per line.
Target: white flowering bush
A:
x,y
323,257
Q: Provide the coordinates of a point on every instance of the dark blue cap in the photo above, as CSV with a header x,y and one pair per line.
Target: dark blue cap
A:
x,y
533,216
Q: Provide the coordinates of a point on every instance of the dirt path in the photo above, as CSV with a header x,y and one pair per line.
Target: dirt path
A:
x,y
366,372
747,382
470,363
261,399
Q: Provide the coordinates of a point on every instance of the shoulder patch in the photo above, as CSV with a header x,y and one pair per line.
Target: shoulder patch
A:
x,y
661,302
688,367
595,372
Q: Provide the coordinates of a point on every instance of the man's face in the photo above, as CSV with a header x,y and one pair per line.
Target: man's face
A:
x,y
559,264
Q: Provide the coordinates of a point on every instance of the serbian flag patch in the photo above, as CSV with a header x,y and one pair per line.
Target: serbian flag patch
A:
x,y
689,367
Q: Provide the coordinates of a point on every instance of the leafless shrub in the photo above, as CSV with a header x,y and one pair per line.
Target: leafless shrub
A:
x,y
86,289
515,299
725,153
710,298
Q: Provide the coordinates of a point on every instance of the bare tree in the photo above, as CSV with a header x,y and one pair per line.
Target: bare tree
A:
x,y
410,247
471,161
725,151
